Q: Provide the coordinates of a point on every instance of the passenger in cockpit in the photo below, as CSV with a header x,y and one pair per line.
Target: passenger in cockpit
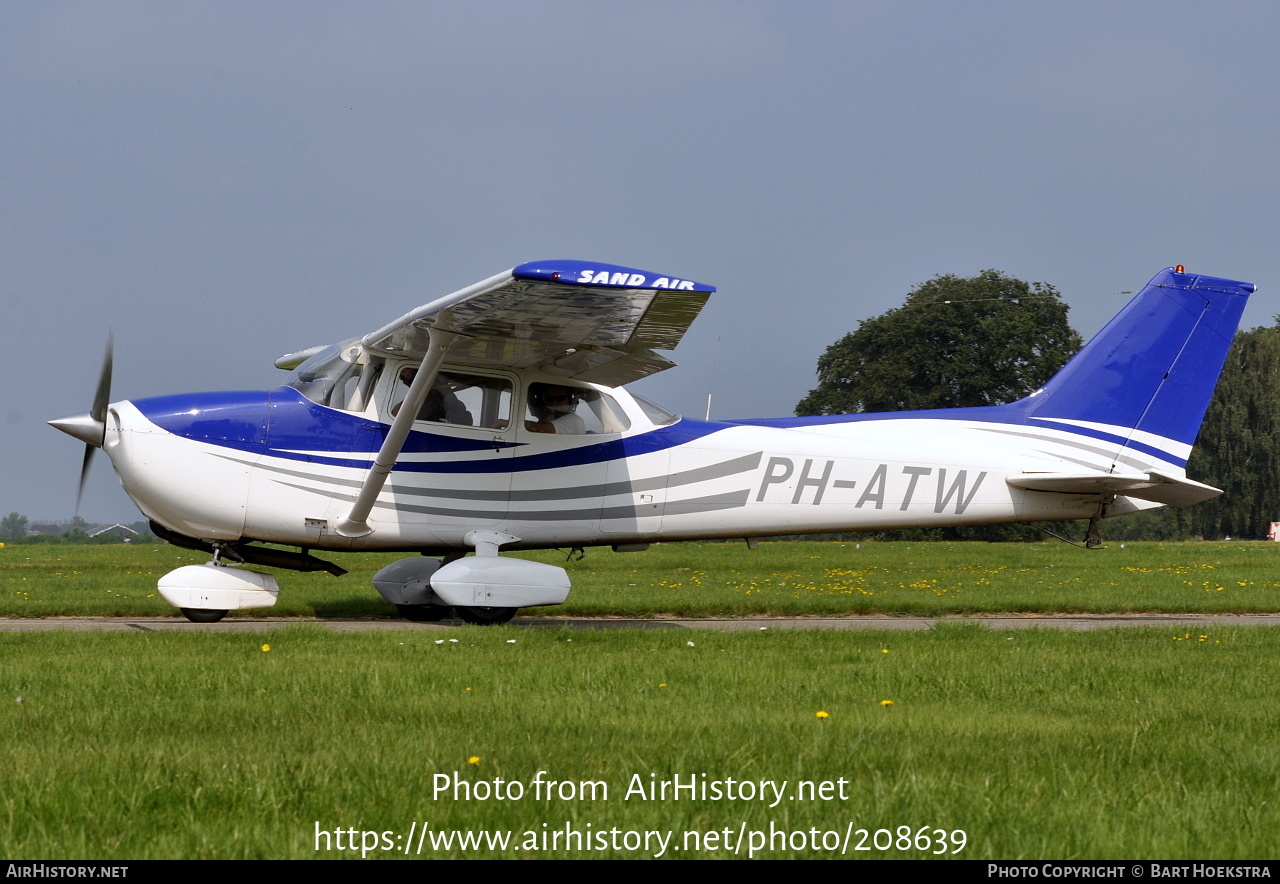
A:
x,y
553,407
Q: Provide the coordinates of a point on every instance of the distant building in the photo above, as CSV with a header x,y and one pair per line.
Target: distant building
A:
x,y
104,529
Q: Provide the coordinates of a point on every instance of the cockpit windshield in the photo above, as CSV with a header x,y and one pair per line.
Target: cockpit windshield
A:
x,y
656,413
339,376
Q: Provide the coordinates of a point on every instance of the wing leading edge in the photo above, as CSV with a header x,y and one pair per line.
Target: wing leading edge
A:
x,y
580,319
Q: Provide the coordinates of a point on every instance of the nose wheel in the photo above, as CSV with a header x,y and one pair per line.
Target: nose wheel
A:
x,y
202,615
485,616
423,613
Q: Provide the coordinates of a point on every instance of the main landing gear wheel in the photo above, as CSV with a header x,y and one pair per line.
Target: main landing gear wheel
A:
x,y
423,613
485,616
202,615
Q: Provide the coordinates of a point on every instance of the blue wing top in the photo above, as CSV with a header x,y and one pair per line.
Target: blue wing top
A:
x,y
596,274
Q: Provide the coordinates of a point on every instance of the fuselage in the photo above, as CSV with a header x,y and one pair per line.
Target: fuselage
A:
x,y
276,466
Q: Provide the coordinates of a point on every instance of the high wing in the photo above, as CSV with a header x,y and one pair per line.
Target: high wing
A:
x,y
577,319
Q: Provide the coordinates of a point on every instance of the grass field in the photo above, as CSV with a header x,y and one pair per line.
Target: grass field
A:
x,y
1135,743
1128,743
714,579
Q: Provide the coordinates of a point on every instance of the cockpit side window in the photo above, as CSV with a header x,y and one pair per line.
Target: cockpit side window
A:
x,y
571,411
654,412
458,398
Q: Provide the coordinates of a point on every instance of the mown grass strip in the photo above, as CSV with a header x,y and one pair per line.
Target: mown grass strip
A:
x,y
1129,743
723,579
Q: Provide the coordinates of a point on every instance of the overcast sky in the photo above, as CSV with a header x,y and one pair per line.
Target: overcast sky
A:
x,y
221,182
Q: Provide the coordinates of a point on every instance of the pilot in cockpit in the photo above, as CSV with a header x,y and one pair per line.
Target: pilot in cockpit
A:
x,y
441,405
552,407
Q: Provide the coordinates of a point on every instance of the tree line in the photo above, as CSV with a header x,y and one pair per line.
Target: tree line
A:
x,y
17,528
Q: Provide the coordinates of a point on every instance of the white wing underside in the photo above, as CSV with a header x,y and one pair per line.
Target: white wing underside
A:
x,y
596,334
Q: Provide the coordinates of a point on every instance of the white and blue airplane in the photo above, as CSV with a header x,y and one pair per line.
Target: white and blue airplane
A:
x,y
497,418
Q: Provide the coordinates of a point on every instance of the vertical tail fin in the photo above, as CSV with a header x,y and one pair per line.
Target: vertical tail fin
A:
x,y
1151,371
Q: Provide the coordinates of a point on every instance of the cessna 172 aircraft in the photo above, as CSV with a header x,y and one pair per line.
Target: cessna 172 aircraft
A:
x,y
497,418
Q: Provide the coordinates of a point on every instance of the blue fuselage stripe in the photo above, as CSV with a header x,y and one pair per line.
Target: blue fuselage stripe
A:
x,y
1007,415
284,424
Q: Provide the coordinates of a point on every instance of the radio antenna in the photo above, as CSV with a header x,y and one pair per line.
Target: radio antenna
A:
x,y
715,357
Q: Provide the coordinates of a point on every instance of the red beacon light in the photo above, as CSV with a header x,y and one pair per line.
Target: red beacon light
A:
x,y
1179,269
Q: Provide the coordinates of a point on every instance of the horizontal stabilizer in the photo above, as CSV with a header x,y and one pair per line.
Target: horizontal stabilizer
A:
x,y
1153,486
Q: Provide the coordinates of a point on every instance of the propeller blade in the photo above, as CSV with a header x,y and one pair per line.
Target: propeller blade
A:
x,y
102,396
84,473
101,399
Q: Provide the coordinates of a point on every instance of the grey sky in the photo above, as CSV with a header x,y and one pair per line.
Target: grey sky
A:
x,y
221,183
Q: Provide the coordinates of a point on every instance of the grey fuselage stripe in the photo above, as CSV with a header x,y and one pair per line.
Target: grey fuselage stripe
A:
x,y
743,464
731,500
1111,456
1090,464
711,503
1070,443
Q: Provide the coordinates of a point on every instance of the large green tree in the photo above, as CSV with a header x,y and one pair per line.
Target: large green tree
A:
x,y
955,342
1238,449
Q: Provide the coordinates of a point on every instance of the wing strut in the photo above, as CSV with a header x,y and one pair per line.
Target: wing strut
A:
x,y
356,522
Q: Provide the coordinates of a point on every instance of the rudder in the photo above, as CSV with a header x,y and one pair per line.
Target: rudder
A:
x,y
1153,368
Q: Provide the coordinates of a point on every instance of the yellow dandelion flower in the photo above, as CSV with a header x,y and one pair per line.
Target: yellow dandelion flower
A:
x,y
884,650
822,714
266,648
663,685
886,702
474,759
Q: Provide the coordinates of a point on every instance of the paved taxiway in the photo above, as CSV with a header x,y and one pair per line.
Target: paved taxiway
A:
x,y
1073,622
